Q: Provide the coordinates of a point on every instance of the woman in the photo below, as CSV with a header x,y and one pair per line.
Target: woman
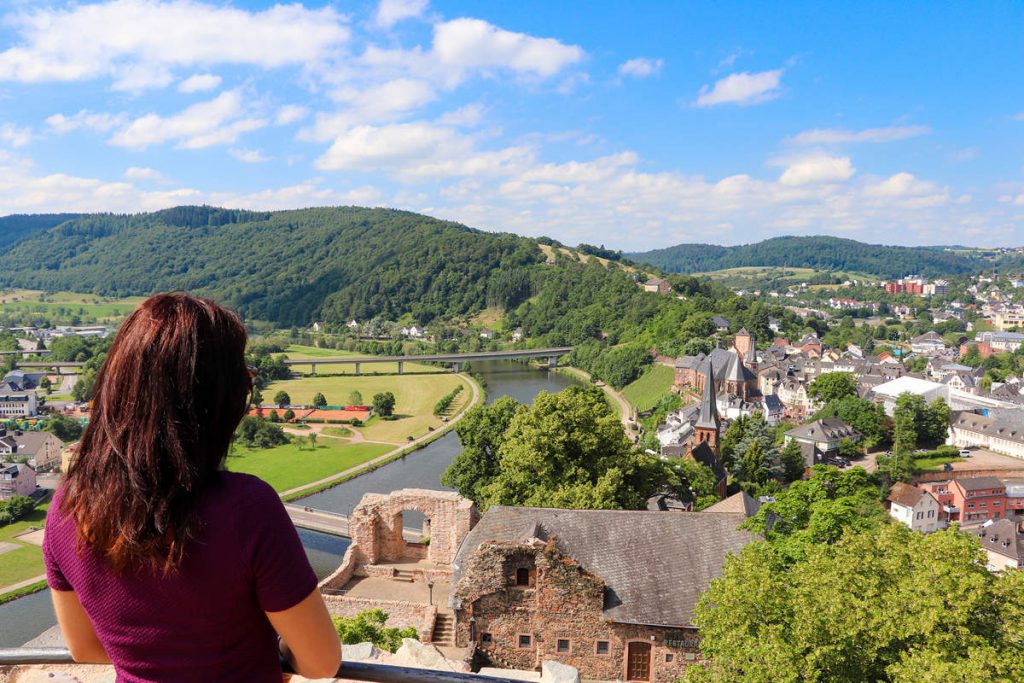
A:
x,y
160,561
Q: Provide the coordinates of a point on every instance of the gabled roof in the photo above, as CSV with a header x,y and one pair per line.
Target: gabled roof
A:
x,y
906,495
654,565
979,483
708,418
828,428
1001,537
740,502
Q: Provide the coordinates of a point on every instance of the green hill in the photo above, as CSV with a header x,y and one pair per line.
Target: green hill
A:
x,y
289,267
19,226
818,253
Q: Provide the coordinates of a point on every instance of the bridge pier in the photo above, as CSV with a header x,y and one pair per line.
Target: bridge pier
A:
x,y
456,367
401,367
312,368
552,361
357,368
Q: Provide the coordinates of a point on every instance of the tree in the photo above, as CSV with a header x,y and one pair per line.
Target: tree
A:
x,y
832,386
481,433
274,417
289,415
792,459
881,604
312,440
282,399
368,627
865,416
63,427
355,399
754,468
569,450
257,397
384,404
319,400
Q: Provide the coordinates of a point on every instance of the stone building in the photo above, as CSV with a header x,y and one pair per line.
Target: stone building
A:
x,y
610,592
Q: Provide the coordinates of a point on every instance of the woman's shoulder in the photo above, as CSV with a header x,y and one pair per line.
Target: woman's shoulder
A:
x,y
236,488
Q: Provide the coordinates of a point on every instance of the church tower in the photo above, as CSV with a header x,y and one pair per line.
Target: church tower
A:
x,y
708,425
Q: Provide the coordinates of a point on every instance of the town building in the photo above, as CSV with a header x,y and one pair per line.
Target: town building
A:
x,y
1003,543
928,343
41,450
823,435
971,430
536,584
888,392
657,285
16,479
17,404
914,507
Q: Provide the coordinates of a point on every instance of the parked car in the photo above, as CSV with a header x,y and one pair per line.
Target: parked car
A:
x,y
965,453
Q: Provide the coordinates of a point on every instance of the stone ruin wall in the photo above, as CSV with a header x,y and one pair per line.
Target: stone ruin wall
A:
x,y
565,602
400,613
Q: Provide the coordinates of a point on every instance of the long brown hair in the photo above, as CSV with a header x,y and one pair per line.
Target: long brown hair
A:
x,y
166,402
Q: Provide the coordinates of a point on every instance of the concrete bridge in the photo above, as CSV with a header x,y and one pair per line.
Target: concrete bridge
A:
x,y
58,365
333,523
455,359
26,352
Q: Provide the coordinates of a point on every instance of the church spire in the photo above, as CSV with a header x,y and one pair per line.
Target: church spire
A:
x,y
709,404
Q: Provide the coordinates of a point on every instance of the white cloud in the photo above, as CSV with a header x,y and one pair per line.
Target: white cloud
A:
x,y
144,174
377,103
15,136
641,67
139,42
390,12
468,116
249,156
199,83
463,44
817,169
965,154
218,121
86,119
742,88
1019,116
827,136
290,113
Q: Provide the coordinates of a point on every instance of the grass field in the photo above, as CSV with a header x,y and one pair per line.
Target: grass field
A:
x,y
297,352
26,561
934,463
756,276
286,467
415,396
62,306
650,387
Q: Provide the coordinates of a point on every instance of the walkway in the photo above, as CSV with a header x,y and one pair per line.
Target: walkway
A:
x,y
398,449
4,590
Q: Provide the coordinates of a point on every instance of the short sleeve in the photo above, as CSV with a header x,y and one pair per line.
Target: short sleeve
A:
x,y
52,538
282,576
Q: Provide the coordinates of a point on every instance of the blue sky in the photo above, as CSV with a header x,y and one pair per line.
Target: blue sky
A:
x,y
634,125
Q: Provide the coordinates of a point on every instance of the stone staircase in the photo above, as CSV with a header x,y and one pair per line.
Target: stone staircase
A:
x,y
406,575
444,630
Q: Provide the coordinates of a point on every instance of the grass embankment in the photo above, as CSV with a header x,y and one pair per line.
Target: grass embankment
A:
x,y
285,467
26,561
646,391
932,461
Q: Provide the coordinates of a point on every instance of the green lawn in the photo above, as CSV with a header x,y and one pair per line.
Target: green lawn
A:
x,y
62,306
650,387
415,397
336,431
934,463
20,564
289,466
36,518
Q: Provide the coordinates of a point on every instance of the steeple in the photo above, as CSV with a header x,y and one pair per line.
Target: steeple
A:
x,y
705,431
709,404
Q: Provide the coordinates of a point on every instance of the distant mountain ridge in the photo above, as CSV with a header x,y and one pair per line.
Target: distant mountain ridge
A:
x,y
820,253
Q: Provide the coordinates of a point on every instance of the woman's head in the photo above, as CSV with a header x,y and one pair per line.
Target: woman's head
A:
x,y
165,404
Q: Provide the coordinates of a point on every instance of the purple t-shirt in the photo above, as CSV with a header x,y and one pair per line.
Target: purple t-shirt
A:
x,y
206,622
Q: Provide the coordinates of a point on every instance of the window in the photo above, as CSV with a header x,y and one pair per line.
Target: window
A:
x,y
920,515
562,645
669,657
486,639
522,576
603,647
525,641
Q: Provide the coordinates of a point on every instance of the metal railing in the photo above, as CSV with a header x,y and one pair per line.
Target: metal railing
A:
x,y
356,671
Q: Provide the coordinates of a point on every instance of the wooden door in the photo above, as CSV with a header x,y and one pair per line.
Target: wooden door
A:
x,y
638,661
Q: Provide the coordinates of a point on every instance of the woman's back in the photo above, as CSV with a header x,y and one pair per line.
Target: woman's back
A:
x,y
206,620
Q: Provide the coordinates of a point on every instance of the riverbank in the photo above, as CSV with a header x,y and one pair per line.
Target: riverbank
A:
x,y
325,483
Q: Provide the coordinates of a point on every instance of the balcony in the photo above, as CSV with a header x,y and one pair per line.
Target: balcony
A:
x,y
354,671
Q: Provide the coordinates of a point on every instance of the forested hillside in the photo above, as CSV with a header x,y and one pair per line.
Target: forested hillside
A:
x,y
19,226
288,267
820,253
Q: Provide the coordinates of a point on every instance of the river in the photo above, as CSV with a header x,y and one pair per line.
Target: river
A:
x,y
25,618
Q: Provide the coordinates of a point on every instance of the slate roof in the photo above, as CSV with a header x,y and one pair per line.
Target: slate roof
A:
x,y
741,503
1000,537
655,565
708,418
979,483
1001,429
825,429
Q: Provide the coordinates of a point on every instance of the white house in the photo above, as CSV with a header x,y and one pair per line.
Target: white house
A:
x,y
928,343
16,480
16,404
1002,541
915,507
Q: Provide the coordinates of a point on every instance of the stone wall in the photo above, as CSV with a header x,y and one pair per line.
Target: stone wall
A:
x,y
563,602
400,614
